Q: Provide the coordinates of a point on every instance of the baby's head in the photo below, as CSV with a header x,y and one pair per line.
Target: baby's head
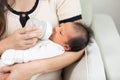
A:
x,y
73,36
83,38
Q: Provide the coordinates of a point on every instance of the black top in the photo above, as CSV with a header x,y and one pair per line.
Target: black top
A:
x,y
24,16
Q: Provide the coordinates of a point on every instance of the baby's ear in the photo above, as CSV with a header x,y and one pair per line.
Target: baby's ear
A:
x,y
67,47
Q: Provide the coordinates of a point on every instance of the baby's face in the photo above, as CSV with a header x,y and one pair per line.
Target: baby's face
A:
x,y
63,33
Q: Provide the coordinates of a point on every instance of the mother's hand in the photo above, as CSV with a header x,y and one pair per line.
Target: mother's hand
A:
x,y
4,76
22,38
18,72
26,70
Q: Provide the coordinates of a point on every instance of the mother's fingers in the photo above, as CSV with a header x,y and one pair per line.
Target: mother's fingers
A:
x,y
32,41
4,76
31,35
27,29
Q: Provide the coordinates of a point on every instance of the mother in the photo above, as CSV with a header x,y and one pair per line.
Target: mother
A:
x,y
13,34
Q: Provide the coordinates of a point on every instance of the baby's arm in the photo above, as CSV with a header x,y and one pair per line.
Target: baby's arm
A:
x,y
44,50
12,56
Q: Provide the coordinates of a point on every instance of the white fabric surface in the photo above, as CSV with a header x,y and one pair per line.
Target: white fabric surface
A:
x,y
108,40
43,49
87,12
95,66
67,8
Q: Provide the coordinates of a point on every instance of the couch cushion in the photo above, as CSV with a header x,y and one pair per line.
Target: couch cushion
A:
x,y
56,75
108,40
90,67
87,13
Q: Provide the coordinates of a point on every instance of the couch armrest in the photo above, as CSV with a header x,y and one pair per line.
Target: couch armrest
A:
x,y
108,40
90,67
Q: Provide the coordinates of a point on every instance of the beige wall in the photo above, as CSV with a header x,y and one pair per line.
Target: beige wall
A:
x,y
110,7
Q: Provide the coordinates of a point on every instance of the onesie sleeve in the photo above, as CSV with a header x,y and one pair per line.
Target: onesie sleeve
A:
x,y
68,10
40,51
43,51
12,56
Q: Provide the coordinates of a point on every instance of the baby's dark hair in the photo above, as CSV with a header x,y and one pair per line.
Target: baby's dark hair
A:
x,y
80,42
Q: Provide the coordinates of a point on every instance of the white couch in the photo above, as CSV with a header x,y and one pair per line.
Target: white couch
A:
x,y
102,59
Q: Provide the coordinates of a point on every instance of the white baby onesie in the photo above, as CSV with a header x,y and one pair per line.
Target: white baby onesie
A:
x,y
45,48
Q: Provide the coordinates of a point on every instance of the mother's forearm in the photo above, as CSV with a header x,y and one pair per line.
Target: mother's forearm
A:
x,y
2,46
56,63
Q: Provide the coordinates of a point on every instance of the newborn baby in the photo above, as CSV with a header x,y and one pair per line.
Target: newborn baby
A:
x,y
53,42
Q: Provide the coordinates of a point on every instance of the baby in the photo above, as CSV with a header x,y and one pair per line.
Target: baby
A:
x,y
71,36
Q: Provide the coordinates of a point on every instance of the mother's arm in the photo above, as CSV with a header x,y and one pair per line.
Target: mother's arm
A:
x,y
20,39
59,62
27,70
